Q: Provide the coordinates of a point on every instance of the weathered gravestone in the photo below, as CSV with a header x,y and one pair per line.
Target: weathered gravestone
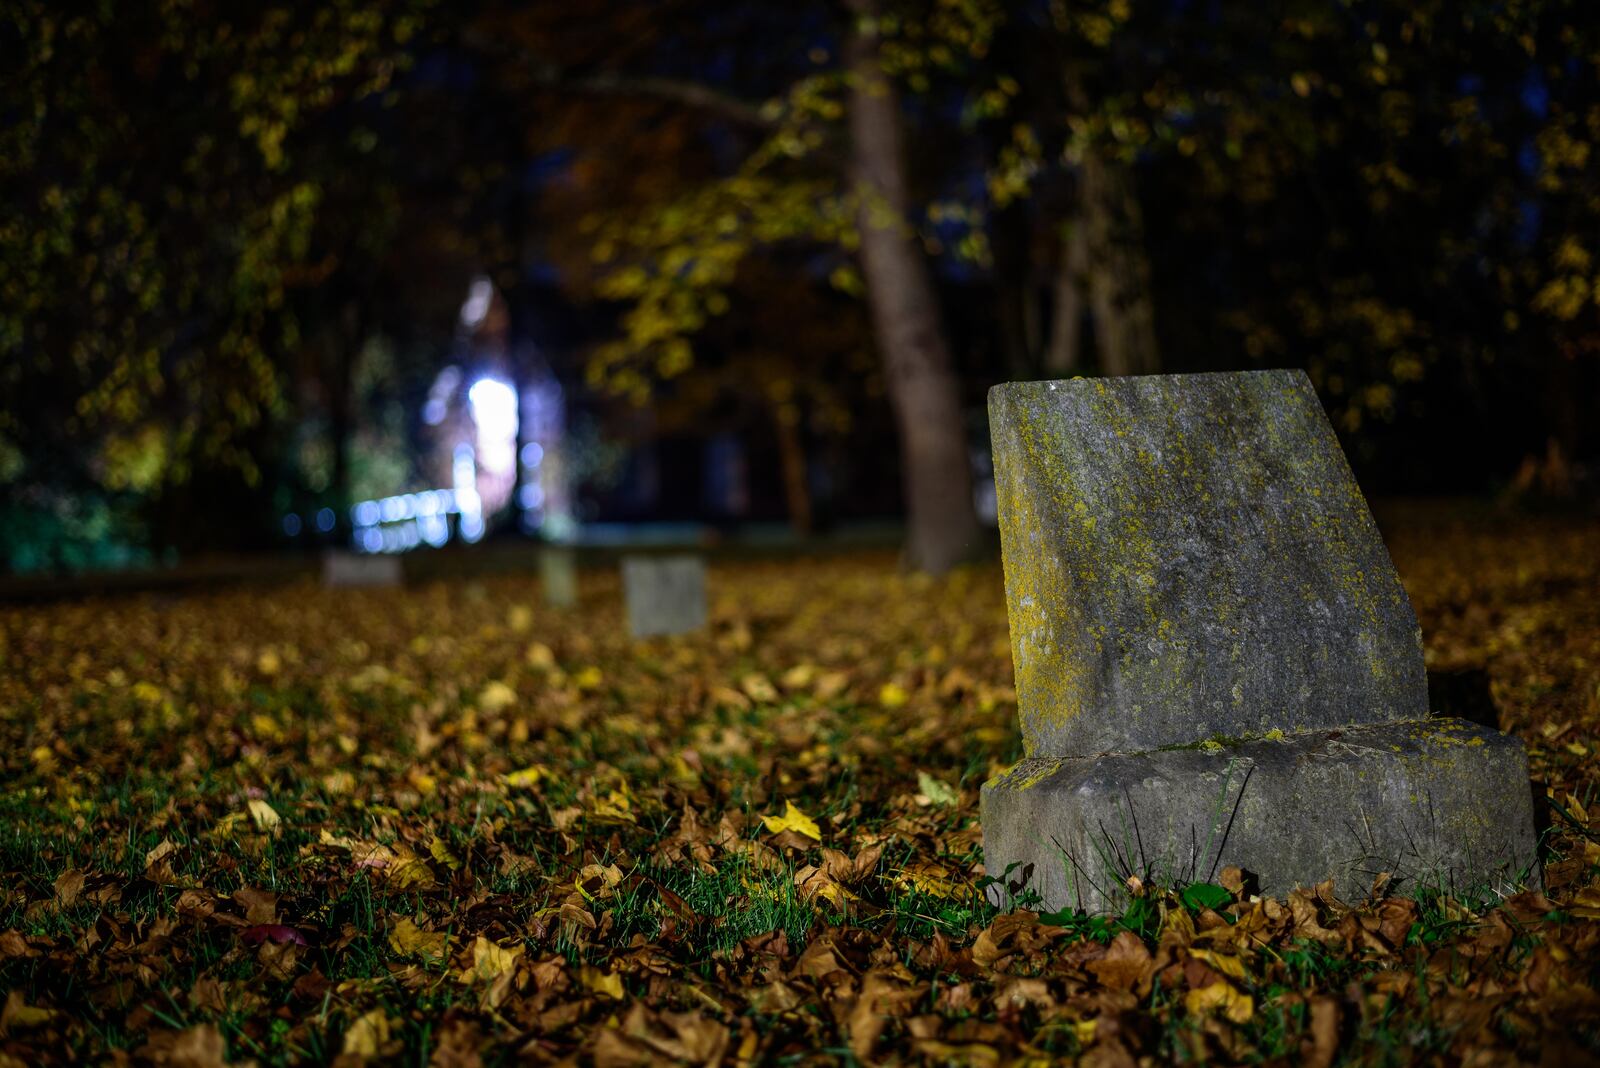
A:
x,y
342,569
1215,661
558,576
664,594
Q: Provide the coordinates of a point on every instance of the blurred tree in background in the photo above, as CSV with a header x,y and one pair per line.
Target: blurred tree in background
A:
x,y
165,169
789,215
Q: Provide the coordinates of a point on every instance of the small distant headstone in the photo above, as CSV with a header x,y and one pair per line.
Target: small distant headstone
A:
x,y
1215,660
664,594
342,569
558,575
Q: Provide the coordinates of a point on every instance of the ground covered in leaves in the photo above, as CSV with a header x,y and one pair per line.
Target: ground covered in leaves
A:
x,y
446,825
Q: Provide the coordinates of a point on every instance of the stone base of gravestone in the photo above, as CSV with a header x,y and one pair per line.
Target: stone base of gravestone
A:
x,y
664,594
1439,803
558,576
343,570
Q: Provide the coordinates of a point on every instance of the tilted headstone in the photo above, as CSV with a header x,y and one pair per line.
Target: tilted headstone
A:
x,y
558,576
1215,660
664,594
342,569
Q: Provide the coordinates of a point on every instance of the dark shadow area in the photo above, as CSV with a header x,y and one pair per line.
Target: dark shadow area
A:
x,y
1465,694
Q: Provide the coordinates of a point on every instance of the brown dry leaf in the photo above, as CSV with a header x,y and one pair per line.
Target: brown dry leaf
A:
x,y
201,1046
1324,1033
260,906
1307,924
1127,964
882,997
68,885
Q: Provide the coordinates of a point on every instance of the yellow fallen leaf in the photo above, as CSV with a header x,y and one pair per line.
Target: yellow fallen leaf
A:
x,y
758,688
496,697
1226,963
793,820
606,984
409,871
225,827
520,618
367,1034
893,695
265,727
588,679
263,816
441,853
614,807
936,790
1223,997
489,962
933,880
407,939
525,778
18,1015
798,677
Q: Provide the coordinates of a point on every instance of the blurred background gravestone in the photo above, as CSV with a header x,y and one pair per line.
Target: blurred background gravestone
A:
x,y
664,594
558,576
343,570
1215,661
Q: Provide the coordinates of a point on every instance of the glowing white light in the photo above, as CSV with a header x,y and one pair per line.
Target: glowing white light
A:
x,y
365,514
532,454
494,409
471,526
476,306
371,540
435,530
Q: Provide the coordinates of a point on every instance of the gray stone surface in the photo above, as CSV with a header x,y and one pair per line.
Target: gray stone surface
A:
x,y
1189,556
558,576
1216,663
664,594
342,569
1441,803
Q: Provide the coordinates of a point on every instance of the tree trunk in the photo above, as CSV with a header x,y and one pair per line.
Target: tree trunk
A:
x,y
918,368
1062,356
1119,276
346,338
792,459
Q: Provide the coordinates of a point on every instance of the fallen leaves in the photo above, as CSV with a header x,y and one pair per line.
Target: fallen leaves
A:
x,y
794,820
441,820
409,940
263,815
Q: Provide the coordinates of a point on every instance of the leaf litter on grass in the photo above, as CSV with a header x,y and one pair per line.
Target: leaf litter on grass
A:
x,y
446,825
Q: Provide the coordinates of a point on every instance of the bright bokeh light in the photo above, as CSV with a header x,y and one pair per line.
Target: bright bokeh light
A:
x,y
476,306
494,409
